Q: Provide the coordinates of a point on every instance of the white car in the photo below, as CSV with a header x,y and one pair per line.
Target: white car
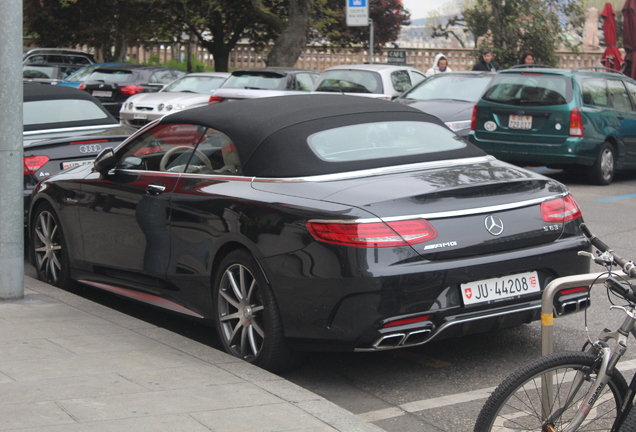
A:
x,y
381,81
190,91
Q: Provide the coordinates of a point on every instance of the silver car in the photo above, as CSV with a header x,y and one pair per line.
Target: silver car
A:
x,y
192,90
381,81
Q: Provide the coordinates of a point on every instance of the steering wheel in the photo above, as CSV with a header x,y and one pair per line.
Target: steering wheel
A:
x,y
166,157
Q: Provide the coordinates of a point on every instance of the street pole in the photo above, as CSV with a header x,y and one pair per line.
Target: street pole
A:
x,y
11,153
370,41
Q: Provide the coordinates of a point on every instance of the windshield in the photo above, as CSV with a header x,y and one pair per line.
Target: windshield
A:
x,y
42,71
530,89
195,84
82,74
350,81
455,87
381,140
111,76
61,111
256,81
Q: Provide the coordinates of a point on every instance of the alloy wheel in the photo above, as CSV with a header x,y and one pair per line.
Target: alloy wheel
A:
x,y
607,164
47,247
241,311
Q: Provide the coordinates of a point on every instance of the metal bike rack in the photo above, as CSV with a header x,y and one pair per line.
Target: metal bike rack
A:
x,y
547,322
547,302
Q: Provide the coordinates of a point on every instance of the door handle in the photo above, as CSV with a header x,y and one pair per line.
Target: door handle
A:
x,y
155,189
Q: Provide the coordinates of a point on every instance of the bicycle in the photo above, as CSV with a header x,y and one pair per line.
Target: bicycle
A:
x,y
575,390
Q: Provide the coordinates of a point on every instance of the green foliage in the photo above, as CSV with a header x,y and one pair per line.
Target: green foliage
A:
x,y
197,65
512,26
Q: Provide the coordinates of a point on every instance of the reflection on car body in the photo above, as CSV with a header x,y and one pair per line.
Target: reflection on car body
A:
x,y
330,223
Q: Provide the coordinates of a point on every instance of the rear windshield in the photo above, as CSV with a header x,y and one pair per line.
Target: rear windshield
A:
x,y
530,89
256,81
453,87
43,71
203,85
350,81
61,111
381,140
108,76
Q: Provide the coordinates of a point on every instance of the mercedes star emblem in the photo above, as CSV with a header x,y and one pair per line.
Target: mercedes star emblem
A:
x,y
494,225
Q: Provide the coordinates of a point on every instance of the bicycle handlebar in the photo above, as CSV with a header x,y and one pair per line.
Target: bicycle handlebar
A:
x,y
627,266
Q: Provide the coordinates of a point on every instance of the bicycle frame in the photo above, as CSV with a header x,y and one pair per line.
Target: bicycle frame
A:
x,y
609,357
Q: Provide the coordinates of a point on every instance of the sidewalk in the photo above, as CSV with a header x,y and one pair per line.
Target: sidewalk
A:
x,y
70,365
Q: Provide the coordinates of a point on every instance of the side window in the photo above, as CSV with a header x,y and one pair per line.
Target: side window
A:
x,y
631,88
417,77
401,80
595,92
304,81
618,95
166,147
162,77
216,154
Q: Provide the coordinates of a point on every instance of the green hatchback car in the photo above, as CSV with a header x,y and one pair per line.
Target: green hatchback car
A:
x,y
580,120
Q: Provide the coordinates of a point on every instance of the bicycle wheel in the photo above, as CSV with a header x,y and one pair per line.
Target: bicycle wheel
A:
x,y
516,404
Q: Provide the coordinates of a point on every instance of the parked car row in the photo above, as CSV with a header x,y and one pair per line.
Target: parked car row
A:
x,y
323,221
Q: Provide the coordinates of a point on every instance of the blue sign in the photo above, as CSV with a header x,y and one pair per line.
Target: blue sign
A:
x,y
357,3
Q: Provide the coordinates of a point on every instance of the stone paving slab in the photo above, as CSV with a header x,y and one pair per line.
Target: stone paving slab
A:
x,y
68,364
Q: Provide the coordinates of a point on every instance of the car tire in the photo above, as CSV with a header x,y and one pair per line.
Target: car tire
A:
x,y
247,316
48,248
602,172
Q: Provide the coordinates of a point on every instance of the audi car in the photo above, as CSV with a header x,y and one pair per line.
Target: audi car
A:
x,y
63,127
311,223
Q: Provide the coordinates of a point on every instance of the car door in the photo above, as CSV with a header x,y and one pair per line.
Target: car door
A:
x,y
630,121
125,214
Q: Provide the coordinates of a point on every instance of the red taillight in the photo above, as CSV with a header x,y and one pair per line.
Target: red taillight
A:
x,y
374,234
131,90
560,210
572,290
473,119
214,100
407,321
32,164
576,123
82,86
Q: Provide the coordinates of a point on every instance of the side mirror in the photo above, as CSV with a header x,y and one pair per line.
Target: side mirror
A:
x,y
105,161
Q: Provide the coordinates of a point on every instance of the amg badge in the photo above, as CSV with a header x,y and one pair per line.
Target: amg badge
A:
x,y
440,245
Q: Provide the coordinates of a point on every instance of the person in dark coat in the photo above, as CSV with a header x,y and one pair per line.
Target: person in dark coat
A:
x,y
486,62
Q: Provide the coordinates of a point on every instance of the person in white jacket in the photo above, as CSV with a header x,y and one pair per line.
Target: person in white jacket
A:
x,y
440,64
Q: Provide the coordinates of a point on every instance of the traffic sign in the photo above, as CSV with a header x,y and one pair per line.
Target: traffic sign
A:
x,y
357,13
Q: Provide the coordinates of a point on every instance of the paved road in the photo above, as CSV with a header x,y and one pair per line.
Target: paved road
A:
x,y
441,386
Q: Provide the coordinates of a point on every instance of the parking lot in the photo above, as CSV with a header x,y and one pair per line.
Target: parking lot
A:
x,y
441,386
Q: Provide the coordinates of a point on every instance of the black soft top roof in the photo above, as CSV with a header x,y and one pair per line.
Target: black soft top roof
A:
x,y
271,133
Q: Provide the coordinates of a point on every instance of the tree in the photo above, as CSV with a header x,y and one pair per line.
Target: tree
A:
x,y
108,25
387,15
512,26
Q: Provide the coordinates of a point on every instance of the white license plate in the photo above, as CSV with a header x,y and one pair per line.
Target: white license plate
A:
x,y
520,122
500,288
100,93
140,116
76,163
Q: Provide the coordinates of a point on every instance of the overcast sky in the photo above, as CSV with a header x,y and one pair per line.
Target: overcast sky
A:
x,y
420,8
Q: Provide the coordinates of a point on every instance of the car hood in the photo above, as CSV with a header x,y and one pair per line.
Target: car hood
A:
x,y
153,99
445,110
455,198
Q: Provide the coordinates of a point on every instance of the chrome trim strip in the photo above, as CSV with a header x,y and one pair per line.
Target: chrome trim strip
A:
x,y
144,298
71,129
377,171
447,214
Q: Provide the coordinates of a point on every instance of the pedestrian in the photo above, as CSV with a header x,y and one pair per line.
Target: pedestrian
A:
x,y
526,58
440,64
486,62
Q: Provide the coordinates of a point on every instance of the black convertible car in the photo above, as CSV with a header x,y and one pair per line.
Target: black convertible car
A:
x,y
317,222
